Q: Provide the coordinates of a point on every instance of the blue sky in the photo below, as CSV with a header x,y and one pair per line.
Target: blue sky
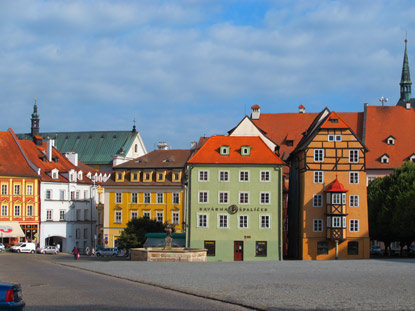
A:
x,y
185,69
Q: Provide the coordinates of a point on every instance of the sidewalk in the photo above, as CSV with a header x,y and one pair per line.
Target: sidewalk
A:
x,y
289,285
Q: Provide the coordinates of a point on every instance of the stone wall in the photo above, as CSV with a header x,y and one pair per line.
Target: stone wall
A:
x,y
175,254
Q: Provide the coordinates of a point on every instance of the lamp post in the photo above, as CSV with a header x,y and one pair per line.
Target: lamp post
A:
x,y
383,100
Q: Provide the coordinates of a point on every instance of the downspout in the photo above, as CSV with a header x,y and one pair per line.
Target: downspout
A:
x,y
188,208
280,239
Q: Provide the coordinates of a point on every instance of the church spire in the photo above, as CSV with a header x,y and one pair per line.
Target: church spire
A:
x,y
35,120
405,79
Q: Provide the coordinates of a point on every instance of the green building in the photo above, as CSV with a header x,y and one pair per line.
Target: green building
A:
x,y
234,203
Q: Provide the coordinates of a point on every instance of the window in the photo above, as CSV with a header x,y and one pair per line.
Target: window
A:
x,y
29,210
202,220
147,197
322,248
384,159
160,216
335,138
223,197
78,233
318,177
353,248
160,198
85,233
354,156
318,225
4,189
265,222
176,198
243,222
353,177
176,218
160,177
336,222
354,225
223,176
62,195
203,176
134,198
78,215
210,246
17,210
223,221
317,200
85,214
72,195
49,214
318,155
390,140
265,176
118,216
85,194
16,189
118,197
244,176
260,249
265,198
243,197
78,195
354,200
48,195
62,214
55,175
29,190
245,150
176,177
224,150
134,176
4,209
134,214
203,197
336,198
146,214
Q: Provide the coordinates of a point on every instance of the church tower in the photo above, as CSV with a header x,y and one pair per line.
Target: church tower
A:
x,y
405,81
35,121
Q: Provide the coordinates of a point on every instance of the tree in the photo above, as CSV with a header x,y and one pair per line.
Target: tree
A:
x,y
134,235
391,203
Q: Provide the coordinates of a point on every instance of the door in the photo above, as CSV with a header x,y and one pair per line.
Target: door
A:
x,y
238,250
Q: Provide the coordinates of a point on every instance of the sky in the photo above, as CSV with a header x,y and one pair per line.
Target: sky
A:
x,y
186,69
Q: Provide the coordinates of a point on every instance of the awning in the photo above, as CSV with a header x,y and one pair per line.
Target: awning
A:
x,y
10,229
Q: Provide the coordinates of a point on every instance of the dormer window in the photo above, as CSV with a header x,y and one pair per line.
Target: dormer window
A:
x,y
161,176
412,158
55,174
135,176
384,159
390,140
289,143
334,137
224,150
80,177
245,150
148,176
72,176
177,176
333,120
119,176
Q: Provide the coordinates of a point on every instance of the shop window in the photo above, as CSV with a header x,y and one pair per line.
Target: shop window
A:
x,y
322,248
211,248
353,248
261,249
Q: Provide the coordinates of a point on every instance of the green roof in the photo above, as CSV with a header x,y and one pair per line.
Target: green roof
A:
x,y
92,147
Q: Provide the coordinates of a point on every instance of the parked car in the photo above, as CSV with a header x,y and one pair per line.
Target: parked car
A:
x,y
11,297
48,250
107,252
376,250
24,248
2,248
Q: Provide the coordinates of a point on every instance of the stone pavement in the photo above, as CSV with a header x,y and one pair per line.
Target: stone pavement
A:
x,y
374,284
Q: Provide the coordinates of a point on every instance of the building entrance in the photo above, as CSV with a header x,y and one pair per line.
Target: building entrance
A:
x,y
238,250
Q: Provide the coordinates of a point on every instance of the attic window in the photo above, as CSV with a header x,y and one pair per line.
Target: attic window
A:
x,y
177,176
55,174
412,158
119,176
160,176
245,150
289,143
334,120
390,140
80,175
56,159
135,176
115,136
384,159
224,150
334,138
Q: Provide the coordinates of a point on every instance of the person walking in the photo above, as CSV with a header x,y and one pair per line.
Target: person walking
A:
x,y
75,253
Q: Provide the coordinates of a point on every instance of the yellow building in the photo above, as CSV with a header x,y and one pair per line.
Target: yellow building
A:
x,y
149,186
328,209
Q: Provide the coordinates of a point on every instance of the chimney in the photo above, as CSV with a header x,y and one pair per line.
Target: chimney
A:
x,y
301,109
49,147
73,157
408,106
162,146
256,112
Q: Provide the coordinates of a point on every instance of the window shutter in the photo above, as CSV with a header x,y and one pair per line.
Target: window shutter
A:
x,y
328,198
328,221
344,222
344,198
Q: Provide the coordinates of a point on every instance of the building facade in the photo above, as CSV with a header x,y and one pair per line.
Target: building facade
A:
x,y
235,200
328,215
150,186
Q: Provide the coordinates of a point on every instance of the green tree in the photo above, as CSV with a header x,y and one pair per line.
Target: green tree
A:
x,y
134,235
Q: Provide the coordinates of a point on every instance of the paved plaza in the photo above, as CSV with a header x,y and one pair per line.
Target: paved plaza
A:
x,y
374,284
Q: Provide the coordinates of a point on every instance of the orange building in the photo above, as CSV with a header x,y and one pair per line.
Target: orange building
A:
x,y
328,215
19,195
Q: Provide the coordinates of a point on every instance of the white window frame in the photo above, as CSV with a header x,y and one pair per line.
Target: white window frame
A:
x,y
118,197
158,217
267,197
353,200
354,225
318,155
245,195
29,189
225,195
118,217
49,214
223,176
202,220
147,195
147,214
243,221
203,176
317,225
48,194
17,190
17,208
4,210
4,189
134,215
29,210
160,197
334,137
318,177
352,179
220,222
62,214
336,221
265,176
175,216
317,200
204,200
244,176
354,156
175,198
265,221
134,197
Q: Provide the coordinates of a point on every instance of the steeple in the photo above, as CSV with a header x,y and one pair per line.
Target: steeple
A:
x,y
405,79
35,120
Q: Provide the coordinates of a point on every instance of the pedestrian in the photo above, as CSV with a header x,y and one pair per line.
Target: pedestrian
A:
x,y
87,251
58,247
75,252
93,252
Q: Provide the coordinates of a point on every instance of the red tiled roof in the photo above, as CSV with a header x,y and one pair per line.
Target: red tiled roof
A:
x,y
260,153
255,107
174,158
385,121
12,161
336,186
334,122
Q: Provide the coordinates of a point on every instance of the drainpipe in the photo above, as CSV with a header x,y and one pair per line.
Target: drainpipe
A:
x,y
280,194
188,209
337,249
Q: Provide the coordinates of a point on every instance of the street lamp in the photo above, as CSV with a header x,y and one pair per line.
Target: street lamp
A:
x,y
383,100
